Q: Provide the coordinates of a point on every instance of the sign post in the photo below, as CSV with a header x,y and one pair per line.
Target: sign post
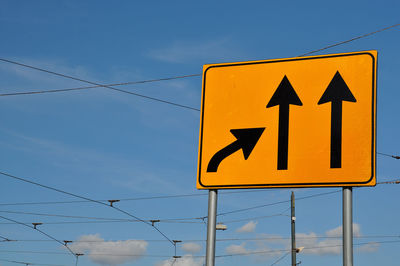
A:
x,y
347,226
211,226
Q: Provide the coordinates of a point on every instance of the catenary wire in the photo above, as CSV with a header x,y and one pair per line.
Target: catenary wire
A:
x,y
276,203
351,40
160,79
30,263
389,155
280,258
99,85
42,232
94,253
138,198
225,239
88,199
135,199
99,220
307,248
220,214
191,218
217,256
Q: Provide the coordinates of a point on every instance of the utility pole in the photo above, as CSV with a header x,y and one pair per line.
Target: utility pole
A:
x,y
293,220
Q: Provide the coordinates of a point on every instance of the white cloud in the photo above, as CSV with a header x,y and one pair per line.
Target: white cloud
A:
x,y
260,254
187,260
274,245
109,252
327,246
369,247
237,249
191,247
247,228
337,232
332,244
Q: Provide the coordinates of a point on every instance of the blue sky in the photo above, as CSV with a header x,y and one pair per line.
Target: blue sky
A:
x,y
102,144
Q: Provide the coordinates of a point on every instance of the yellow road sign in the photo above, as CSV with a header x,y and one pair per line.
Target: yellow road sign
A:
x,y
296,122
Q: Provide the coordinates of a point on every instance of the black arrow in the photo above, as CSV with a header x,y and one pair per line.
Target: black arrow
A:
x,y
246,140
284,96
336,93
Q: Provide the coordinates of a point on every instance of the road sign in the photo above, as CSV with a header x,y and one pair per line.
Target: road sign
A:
x,y
296,122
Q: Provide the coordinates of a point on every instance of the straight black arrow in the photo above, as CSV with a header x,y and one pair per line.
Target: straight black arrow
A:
x,y
246,139
284,96
336,93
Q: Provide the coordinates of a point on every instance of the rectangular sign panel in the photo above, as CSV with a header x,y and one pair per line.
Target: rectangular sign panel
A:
x,y
296,122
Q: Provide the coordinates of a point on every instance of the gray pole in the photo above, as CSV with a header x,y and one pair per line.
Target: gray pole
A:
x,y
347,226
211,226
293,220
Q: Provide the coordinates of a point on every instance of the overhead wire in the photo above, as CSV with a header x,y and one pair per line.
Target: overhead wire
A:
x,y
389,155
93,253
42,232
102,220
159,220
88,199
138,198
280,258
135,199
351,40
30,263
306,248
277,203
217,256
111,86
99,85
267,238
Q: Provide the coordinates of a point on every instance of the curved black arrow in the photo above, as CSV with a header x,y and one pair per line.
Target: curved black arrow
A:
x,y
284,96
336,93
247,138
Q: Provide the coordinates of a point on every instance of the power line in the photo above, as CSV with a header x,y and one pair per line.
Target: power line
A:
x,y
40,231
389,155
135,199
217,256
109,86
30,263
65,253
108,219
139,198
352,39
396,181
88,199
281,258
101,220
97,84
308,248
225,239
276,203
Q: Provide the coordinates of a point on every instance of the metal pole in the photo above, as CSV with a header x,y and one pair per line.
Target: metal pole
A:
x,y
347,226
293,220
211,226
